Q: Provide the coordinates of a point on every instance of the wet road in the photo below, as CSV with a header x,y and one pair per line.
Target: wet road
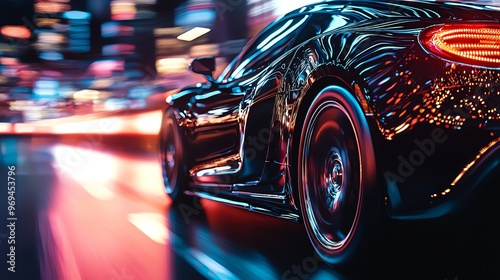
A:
x,y
94,208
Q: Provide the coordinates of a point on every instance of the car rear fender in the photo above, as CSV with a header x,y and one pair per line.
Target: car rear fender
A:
x,y
318,79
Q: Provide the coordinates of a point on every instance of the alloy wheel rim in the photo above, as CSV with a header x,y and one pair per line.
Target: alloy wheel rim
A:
x,y
331,175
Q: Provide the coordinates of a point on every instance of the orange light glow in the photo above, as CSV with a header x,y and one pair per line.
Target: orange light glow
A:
x,y
476,44
51,7
469,166
147,123
172,65
123,10
6,127
9,61
14,31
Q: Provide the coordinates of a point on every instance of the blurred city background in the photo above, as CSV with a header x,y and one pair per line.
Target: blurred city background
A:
x,y
82,88
61,60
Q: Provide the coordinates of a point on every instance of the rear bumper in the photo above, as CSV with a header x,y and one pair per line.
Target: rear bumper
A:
x,y
440,174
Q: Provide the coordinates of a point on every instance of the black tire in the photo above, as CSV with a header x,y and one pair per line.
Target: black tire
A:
x,y
337,177
171,157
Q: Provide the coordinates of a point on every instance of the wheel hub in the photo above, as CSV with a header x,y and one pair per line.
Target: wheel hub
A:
x,y
334,171
170,156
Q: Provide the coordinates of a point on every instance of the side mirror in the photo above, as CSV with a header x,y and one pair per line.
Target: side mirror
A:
x,y
204,66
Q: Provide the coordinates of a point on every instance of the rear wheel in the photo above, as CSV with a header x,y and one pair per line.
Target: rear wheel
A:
x,y
171,156
337,177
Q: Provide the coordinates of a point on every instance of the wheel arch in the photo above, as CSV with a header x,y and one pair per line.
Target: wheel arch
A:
x,y
318,80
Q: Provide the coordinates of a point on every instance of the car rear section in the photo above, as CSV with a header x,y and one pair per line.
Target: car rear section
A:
x,y
432,83
428,75
443,135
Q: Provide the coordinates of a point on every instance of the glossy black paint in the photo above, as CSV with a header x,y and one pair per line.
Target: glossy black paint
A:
x,y
436,144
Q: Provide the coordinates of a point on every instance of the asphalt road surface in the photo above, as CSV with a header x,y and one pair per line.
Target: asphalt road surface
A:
x,y
94,208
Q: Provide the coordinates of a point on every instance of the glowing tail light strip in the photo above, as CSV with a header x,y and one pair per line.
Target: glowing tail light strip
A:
x,y
477,44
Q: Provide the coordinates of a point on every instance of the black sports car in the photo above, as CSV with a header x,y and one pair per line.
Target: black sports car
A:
x,y
343,111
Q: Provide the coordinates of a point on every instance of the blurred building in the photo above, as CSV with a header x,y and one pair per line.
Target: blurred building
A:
x,y
60,30
200,28
99,50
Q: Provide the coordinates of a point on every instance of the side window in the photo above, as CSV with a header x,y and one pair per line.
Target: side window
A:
x,y
271,43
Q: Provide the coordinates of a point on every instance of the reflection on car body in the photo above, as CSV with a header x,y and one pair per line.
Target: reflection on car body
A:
x,y
343,108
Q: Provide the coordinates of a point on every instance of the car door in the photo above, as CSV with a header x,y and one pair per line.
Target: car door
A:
x,y
242,95
259,70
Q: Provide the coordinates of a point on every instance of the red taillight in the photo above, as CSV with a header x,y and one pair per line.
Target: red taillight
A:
x,y
477,44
